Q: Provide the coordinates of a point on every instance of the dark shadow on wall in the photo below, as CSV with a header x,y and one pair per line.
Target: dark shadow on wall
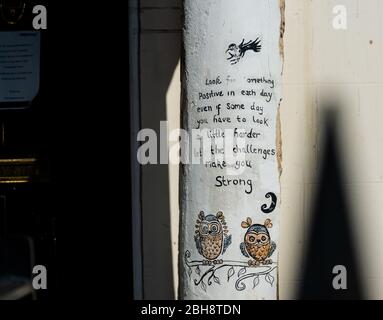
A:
x,y
330,242
160,53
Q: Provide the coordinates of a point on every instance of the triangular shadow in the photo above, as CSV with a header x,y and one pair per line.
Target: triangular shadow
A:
x,y
330,242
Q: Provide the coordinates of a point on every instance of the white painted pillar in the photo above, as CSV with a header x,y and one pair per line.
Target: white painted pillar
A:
x,y
229,228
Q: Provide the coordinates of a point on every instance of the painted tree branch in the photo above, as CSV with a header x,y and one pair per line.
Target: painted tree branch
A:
x,y
242,275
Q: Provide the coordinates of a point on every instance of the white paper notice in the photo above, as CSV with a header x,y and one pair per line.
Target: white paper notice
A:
x,y
19,66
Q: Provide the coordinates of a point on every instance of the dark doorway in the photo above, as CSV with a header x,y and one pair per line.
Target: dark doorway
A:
x,y
27,214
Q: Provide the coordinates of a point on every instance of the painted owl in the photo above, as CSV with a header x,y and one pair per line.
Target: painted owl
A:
x,y
257,243
211,236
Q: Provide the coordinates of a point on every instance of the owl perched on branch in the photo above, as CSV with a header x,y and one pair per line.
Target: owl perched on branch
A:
x,y
211,236
257,243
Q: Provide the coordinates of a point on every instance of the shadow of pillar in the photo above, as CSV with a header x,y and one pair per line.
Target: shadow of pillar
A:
x,y
160,53
330,241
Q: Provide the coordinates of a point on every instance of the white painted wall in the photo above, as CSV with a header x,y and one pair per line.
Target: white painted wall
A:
x,y
315,54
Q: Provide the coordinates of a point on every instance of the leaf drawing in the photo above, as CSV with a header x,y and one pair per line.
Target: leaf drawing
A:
x,y
255,281
242,271
230,273
203,286
216,280
270,279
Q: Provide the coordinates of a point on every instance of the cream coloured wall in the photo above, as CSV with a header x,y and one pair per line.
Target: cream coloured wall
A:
x,y
315,55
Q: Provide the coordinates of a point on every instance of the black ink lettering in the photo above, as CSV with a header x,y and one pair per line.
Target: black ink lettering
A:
x,y
273,204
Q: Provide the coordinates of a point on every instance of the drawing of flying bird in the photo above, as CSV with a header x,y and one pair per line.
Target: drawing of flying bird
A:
x,y
237,52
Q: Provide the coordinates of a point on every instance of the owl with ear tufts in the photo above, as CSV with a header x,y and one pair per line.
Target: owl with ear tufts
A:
x,y
211,237
257,243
